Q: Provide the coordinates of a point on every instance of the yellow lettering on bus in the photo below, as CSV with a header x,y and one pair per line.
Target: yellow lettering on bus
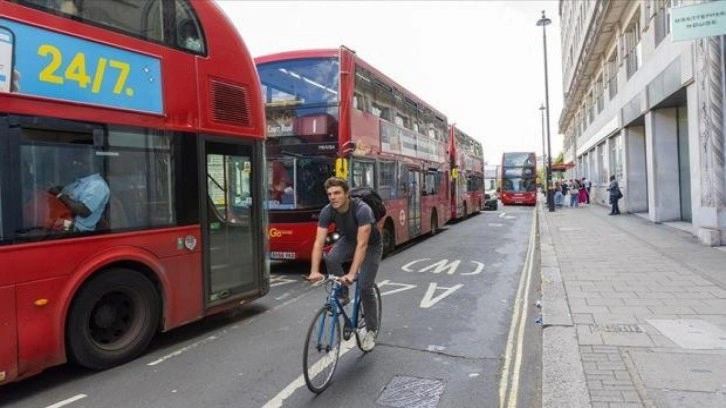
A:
x,y
76,70
124,69
48,73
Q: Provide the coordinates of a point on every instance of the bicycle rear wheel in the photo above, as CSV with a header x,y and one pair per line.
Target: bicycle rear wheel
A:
x,y
322,349
362,322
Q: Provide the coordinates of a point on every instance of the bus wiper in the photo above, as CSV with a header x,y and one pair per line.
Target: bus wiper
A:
x,y
289,153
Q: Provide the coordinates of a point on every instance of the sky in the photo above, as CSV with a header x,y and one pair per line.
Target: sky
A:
x,y
479,62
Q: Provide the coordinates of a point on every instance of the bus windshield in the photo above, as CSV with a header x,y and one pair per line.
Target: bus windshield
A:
x,y
518,185
298,183
301,96
519,160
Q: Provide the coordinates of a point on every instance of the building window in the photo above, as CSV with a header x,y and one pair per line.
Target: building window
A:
x,y
663,18
612,73
599,94
633,53
616,157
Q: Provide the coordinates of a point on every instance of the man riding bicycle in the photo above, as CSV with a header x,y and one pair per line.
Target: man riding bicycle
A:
x,y
360,240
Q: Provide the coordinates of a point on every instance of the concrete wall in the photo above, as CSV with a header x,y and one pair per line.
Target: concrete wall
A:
x,y
661,142
636,178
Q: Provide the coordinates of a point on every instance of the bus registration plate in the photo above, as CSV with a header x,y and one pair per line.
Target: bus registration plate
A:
x,y
282,255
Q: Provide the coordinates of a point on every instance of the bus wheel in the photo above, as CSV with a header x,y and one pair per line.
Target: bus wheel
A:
x,y
389,239
434,223
112,319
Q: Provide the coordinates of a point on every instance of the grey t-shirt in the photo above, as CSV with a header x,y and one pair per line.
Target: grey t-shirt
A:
x,y
359,213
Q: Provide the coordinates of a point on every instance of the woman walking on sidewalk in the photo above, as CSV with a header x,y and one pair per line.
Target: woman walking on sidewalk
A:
x,y
615,195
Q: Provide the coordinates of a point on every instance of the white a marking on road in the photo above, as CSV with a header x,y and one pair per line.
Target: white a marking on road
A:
x,y
496,224
502,214
401,287
479,268
183,349
443,265
428,299
67,401
279,280
407,267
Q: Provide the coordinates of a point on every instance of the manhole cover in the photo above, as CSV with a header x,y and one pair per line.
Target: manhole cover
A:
x,y
412,392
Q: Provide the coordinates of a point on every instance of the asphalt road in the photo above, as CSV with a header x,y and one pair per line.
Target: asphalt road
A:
x,y
448,303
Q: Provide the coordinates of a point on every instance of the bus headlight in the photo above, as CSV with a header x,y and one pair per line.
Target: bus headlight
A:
x,y
332,238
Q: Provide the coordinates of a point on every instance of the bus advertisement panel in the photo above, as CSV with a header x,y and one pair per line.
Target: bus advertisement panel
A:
x,y
330,113
518,178
132,179
467,174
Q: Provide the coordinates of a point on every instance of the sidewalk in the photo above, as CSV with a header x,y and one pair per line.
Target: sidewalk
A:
x,y
634,313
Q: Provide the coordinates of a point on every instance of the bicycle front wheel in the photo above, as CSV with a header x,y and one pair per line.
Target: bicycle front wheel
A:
x,y
322,349
362,322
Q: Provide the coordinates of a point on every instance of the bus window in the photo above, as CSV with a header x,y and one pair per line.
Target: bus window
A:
x,y
188,32
121,174
140,18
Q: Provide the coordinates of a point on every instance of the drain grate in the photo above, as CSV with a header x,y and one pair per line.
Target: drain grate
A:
x,y
412,392
617,328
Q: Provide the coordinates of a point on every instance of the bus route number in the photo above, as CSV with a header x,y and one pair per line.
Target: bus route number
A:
x,y
76,71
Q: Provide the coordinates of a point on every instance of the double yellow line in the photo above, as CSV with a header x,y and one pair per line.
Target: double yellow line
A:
x,y
509,381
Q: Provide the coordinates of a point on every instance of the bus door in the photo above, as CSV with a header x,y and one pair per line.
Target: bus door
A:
x,y
228,223
414,201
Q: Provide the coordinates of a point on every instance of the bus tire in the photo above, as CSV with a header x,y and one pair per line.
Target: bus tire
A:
x,y
389,238
112,319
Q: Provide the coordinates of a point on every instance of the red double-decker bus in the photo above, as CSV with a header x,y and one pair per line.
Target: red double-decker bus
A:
x,y
132,178
331,113
519,178
467,171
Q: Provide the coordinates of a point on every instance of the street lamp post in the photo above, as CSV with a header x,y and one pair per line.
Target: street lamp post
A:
x,y
544,152
544,22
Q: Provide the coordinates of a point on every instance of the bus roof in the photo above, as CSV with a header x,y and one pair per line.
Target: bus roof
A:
x,y
335,52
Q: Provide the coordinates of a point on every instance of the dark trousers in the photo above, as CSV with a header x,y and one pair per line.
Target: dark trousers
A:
x,y
341,253
614,204
588,194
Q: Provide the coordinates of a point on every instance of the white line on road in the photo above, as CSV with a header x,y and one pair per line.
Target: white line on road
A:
x,y
277,400
67,401
502,214
221,332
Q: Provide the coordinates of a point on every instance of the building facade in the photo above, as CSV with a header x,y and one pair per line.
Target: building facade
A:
x,y
646,109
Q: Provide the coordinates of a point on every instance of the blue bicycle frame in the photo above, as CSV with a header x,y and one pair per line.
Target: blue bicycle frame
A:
x,y
336,309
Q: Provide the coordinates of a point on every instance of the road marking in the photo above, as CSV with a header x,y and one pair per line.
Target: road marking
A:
x,y
277,400
501,215
402,287
428,299
183,349
495,224
223,332
510,400
67,401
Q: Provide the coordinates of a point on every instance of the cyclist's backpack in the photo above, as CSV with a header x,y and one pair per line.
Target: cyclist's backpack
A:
x,y
372,198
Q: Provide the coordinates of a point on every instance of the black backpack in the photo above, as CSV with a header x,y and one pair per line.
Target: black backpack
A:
x,y
372,198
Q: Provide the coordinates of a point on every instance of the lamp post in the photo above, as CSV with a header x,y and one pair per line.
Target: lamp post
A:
x,y
544,152
544,22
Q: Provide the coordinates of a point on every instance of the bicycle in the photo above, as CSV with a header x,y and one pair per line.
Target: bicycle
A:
x,y
322,343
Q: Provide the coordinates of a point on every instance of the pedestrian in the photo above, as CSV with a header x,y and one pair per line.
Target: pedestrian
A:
x,y
574,193
584,197
587,187
360,243
615,195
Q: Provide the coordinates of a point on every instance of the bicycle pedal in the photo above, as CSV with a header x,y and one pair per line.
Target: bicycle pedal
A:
x,y
347,332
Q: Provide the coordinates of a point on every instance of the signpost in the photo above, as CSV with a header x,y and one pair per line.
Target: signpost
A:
x,y
699,20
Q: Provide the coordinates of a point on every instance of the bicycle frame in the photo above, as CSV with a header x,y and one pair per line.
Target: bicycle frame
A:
x,y
333,304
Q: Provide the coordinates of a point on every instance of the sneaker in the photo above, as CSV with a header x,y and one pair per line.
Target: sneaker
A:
x,y
369,341
344,297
